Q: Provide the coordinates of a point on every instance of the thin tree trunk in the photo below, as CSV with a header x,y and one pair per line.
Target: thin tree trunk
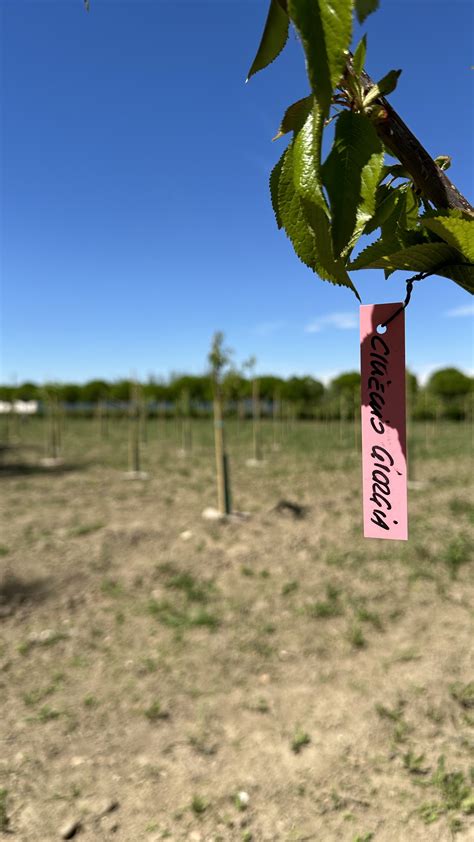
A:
x,y
432,182
222,467
134,431
276,415
256,419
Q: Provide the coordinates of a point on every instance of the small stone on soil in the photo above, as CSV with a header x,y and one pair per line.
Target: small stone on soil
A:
x,y
212,514
70,828
108,805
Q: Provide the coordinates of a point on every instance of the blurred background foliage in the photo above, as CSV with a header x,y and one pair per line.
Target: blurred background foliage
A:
x,y
447,394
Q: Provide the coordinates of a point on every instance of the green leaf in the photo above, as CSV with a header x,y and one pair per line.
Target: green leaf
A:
x,y
292,213
307,226
351,174
412,204
395,170
424,257
455,231
274,38
385,86
389,82
274,188
308,185
400,225
307,159
364,8
295,116
386,199
460,273
325,28
443,162
358,61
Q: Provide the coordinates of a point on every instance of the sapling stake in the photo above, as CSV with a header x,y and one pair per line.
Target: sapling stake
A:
x,y
356,417
51,426
436,416
133,430
219,358
276,419
468,408
250,365
102,419
15,420
185,411
142,414
411,442
426,412
6,426
286,418
257,453
240,414
161,418
341,416
105,420
60,422
53,429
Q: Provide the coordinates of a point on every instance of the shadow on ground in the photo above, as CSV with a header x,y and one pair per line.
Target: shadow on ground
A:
x,y
15,591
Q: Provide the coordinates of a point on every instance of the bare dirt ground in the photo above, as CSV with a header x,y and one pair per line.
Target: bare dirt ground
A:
x,y
163,677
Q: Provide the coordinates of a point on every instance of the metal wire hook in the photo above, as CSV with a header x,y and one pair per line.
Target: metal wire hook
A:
x,y
409,283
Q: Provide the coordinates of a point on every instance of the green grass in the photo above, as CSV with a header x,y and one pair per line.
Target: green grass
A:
x,y
396,716
155,712
110,587
47,714
289,587
455,798
193,589
393,714
299,740
55,637
33,697
330,607
461,506
453,787
363,615
182,618
463,693
459,551
199,805
356,637
85,529
414,763
149,665
4,820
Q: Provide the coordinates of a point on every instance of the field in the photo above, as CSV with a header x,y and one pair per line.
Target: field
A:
x,y
273,678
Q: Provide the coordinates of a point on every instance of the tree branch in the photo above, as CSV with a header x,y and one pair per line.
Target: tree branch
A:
x,y
397,137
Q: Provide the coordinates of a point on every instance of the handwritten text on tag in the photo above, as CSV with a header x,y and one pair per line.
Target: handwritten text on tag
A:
x,y
384,453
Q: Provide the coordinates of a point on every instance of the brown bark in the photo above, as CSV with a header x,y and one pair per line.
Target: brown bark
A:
x,y
432,182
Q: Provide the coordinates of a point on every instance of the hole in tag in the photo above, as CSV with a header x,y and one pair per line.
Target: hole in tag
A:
x,y
381,329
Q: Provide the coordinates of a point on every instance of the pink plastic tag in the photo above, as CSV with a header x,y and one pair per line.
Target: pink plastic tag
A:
x,y
384,451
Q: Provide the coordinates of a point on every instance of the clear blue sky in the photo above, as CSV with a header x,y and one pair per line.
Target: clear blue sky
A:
x,y
136,218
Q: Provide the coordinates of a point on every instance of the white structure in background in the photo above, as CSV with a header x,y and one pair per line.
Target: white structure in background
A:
x,y
18,407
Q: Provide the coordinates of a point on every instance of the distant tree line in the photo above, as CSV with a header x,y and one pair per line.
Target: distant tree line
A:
x,y
447,394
